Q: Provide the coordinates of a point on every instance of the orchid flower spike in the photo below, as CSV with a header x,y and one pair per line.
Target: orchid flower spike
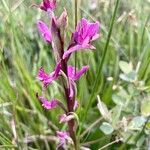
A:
x,y
85,33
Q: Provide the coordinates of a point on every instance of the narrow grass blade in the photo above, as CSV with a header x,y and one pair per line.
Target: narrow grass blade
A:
x,y
95,89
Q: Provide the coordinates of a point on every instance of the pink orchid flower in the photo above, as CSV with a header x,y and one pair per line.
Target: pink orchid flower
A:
x,y
62,118
73,76
63,136
76,105
48,5
65,118
44,31
85,33
76,75
49,104
72,90
49,78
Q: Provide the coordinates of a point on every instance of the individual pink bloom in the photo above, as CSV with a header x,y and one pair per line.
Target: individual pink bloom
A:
x,y
76,75
73,76
63,136
47,5
49,78
72,90
44,31
85,33
64,118
76,105
48,104
42,75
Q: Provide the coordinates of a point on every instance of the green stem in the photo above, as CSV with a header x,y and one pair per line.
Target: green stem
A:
x,y
109,144
90,127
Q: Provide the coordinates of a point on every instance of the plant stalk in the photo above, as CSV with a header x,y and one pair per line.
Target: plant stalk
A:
x,y
70,104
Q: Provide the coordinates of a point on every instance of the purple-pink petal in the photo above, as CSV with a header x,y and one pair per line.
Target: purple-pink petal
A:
x,y
81,72
63,137
76,48
75,76
63,118
93,29
72,90
48,104
95,37
76,105
48,5
49,78
44,31
53,76
42,75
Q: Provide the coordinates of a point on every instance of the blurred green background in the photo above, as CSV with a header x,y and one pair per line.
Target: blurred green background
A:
x,y
124,84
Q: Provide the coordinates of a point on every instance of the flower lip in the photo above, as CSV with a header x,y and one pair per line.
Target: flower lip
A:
x,y
63,136
76,75
48,104
49,78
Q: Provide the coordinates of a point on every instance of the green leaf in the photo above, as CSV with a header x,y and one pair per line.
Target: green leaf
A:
x,y
137,123
103,109
118,100
145,108
130,77
106,128
125,67
116,113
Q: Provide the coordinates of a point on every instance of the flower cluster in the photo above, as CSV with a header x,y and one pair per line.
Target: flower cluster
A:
x,y
81,39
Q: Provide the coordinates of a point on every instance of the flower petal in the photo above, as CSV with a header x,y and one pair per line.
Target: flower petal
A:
x,y
72,90
71,72
48,104
44,31
75,76
63,136
77,48
76,105
93,29
53,76
48,5
81,72
95,37
65,118
42,75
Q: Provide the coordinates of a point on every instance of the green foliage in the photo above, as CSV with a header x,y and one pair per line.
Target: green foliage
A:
x,y
106,128
121,76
